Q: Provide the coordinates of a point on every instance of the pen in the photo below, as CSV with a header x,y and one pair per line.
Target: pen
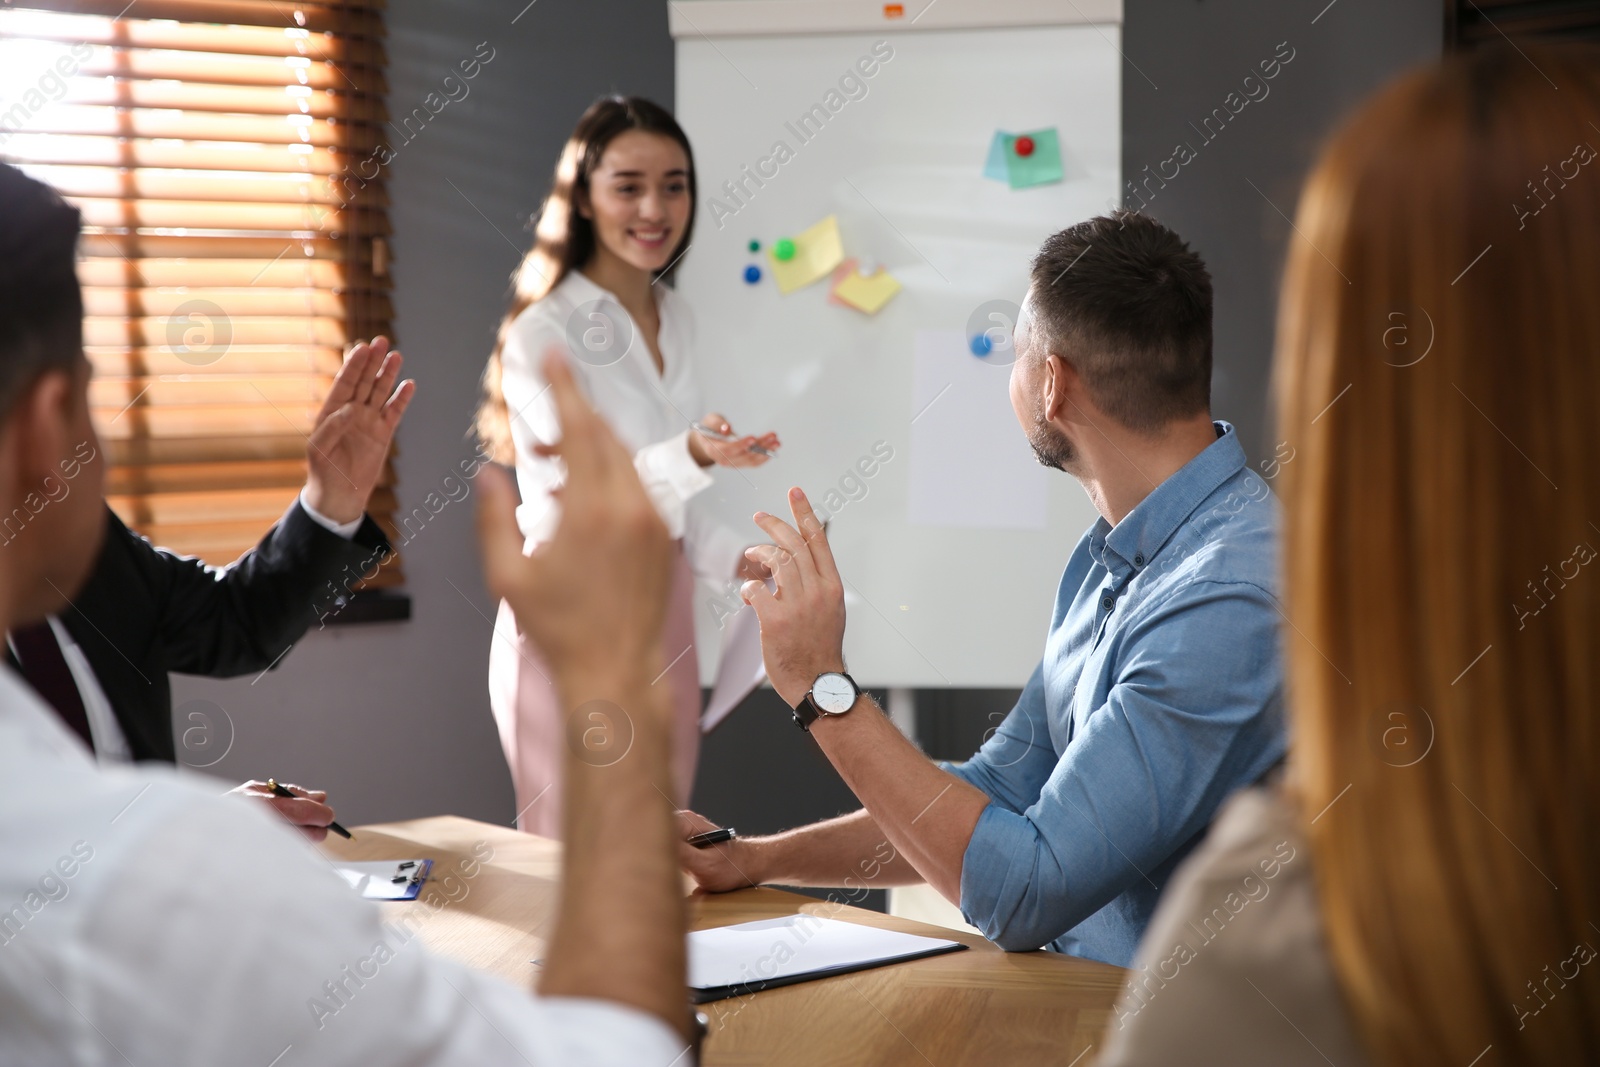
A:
x,y
713,837
702,428
280,791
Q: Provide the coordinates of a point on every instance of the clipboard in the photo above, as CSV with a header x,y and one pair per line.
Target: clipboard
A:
x,y
386,879
734,961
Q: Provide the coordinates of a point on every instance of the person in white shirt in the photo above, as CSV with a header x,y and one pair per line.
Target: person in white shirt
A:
x,y
143,920
618,217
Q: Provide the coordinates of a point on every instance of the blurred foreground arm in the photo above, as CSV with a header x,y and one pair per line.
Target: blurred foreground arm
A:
x,y
593,598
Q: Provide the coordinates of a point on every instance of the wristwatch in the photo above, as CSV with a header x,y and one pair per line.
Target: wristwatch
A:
x,y
833,693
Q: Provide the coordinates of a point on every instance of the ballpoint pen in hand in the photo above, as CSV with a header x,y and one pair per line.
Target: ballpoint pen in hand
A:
x,y
280,791
702,428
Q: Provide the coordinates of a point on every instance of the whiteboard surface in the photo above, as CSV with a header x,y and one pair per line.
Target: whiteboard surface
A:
x,y
901,168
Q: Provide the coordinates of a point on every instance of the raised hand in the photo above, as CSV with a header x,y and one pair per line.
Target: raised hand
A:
x,y
802,620
593,597
350,439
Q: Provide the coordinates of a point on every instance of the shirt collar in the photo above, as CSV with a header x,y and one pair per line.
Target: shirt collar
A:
x,y
577,287
1130,545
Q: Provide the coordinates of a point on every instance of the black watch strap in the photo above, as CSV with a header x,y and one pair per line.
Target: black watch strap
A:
x,y
806,712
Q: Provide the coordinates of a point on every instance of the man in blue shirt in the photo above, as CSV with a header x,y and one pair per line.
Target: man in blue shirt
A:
x,y
1160,689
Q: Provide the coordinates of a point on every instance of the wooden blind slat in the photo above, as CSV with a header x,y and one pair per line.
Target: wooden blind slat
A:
x,y
289,270
183,246
242,359
135,153
117,394
134,64
355,18
138,451
202,126
209,421
221,153
224,216
236,99
198,333
260,302
231,187
131,33
202,477
265,301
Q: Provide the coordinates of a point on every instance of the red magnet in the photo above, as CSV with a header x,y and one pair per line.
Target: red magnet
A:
x,y
1024,146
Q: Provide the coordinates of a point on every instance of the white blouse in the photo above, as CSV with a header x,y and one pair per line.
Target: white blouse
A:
x,y
649,412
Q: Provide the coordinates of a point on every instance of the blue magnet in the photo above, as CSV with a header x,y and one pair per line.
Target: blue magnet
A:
x,y
981,345
752,274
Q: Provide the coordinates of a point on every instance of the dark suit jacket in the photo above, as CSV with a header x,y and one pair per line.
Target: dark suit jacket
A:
x,y
145,611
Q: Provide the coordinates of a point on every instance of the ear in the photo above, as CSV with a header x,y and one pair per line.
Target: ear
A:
x,y
580,201
1063,389
39,426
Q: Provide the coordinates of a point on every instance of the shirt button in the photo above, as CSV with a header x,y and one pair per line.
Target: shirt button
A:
x,y
1138,561
1109,602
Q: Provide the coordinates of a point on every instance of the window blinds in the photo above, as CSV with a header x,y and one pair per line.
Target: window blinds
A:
x,y
234,236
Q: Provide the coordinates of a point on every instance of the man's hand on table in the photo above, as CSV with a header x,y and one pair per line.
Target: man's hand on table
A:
x,y
721,867
307,811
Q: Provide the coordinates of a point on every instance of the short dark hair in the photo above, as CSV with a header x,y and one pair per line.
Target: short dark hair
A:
x,y
41,306
1127,303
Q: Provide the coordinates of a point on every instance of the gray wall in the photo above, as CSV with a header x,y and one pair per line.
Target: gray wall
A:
x,y
1184,58
393,718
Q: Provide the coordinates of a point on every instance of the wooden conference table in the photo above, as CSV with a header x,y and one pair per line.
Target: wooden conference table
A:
x,y
980,1006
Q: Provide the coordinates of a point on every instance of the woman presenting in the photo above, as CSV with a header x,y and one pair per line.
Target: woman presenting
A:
x,y
618,216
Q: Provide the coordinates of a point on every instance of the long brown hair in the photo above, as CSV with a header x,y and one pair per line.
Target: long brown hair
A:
x,y
1438,370
564,240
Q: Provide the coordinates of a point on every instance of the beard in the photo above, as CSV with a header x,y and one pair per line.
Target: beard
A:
x,y
1050,446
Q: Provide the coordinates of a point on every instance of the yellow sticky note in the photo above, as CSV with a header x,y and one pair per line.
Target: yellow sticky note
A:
x,y
816,252
866,292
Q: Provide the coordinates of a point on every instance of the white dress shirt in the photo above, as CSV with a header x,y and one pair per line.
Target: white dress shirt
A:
x,y
649,412
143,920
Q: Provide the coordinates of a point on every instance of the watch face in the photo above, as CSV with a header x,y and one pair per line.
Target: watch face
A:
x,y
833,693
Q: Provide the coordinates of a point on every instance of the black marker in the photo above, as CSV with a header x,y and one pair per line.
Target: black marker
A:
x,y
713,837
280,791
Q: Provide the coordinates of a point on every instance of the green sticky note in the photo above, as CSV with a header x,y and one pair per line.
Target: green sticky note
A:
x,y
1041,166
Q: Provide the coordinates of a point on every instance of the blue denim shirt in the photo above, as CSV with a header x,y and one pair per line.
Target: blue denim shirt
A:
x,y
1160,693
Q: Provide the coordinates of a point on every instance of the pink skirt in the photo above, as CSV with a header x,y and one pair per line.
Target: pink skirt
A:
x,y
530,717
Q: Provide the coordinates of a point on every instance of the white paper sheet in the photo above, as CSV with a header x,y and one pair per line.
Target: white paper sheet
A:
x,y
971,466
772,949
374,879
739,669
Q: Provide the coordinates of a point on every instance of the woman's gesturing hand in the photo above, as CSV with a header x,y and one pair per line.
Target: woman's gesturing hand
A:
x,y
729,450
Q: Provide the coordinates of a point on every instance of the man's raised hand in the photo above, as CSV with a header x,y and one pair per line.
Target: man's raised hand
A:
x,y
802,620
350,440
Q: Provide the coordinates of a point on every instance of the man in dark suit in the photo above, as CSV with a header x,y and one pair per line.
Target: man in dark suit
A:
x,y
145,611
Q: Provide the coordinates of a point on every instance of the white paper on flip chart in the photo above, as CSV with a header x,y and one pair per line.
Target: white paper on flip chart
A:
x,y
773,949
971,465
739,669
